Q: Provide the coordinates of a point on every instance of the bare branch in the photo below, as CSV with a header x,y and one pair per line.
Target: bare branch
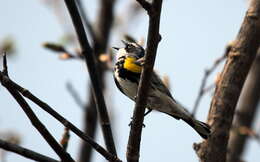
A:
x,y
25,152
133,147
8,82
86,20
65,138
62,51
5,67
37,123
100,36
74,95
94,75
245,113
146,5
239,61
55,47
64,156
208,71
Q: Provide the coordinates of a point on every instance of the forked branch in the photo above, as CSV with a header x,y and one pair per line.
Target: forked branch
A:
x,y
93,70
239,61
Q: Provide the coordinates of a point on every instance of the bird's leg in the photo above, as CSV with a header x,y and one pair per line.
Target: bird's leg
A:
x,y
146,113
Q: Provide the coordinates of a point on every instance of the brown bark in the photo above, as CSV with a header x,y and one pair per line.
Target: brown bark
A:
x,y
239,61
38,125
94,73
5,80
154,12
245,113
100,37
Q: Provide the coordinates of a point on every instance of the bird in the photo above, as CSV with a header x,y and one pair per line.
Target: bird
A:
x,y
127,71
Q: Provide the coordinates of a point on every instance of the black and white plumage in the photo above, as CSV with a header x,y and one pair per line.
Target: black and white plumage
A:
x,y
127,73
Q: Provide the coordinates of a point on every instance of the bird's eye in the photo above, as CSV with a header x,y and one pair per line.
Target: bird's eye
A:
x,y
128,46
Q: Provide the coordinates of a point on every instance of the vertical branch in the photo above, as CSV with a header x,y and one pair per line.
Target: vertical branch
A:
x,y
239,61
100,37
133,147
87,52
86,20
104,24
245,112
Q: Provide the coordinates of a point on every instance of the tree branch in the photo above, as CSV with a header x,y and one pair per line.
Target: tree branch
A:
x,y
146,5
86,20
104,24
133,147
9,83
245,112
239,61
25,152
94,75
204,79
64,156
100,37
74,95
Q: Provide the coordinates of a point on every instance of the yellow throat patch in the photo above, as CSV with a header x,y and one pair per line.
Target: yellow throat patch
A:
x,y
130,65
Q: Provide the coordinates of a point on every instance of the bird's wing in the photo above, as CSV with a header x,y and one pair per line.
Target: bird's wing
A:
x,y
157,83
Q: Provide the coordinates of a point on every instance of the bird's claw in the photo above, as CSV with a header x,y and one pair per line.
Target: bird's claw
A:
x,y
131,123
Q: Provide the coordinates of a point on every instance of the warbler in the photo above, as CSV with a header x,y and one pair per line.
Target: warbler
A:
x,y
127,72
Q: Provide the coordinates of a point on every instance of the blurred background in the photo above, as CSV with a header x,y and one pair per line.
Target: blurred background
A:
x,y
194,35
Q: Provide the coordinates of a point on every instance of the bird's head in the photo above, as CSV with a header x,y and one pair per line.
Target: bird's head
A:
x,y
131,49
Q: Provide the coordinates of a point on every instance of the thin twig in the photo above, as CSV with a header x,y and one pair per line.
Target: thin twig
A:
x,y
5,67
65,138
208,88
39,126
75,95
133,147
86,20
8,82
64,156
62,51
94,75
25,152
208,71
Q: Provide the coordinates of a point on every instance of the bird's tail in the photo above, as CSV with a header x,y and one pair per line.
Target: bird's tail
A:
x,y
203,129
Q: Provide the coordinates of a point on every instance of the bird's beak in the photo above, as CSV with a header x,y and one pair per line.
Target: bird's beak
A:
x,y
116,48
125,42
